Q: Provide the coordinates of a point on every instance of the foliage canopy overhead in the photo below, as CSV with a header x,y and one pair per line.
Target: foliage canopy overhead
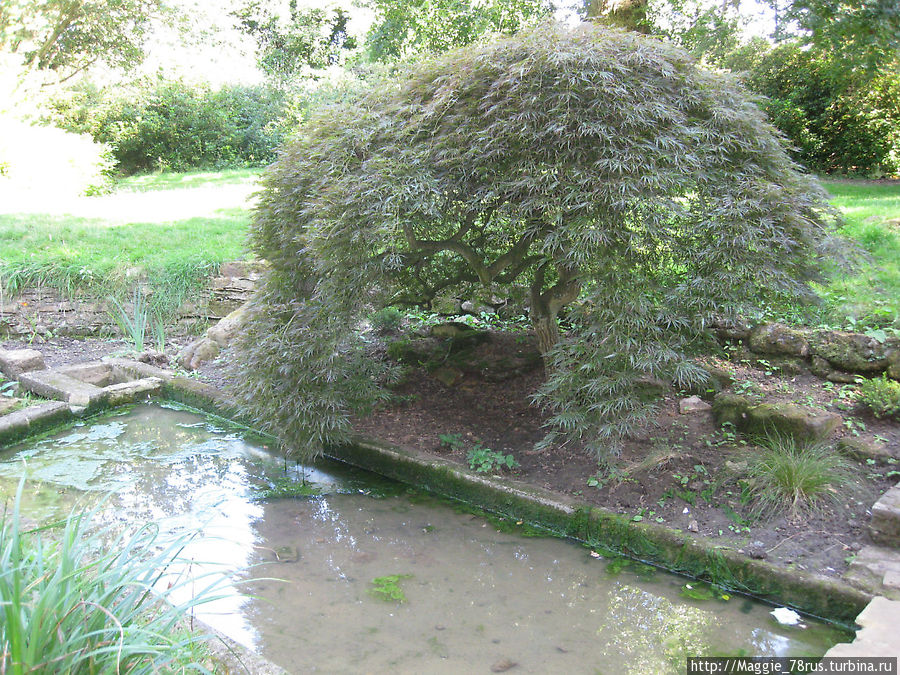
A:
x,y
601,170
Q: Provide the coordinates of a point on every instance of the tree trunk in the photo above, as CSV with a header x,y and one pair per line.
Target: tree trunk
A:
x,y
546,330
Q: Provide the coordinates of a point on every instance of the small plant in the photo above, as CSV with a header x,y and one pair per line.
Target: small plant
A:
x,y
452,441
133,326
794,477
285,487
387,319
86,601
485,460
881,396
388,588
159,335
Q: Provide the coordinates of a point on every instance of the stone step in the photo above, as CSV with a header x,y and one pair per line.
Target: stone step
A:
x,y
876,570
884,527
878,633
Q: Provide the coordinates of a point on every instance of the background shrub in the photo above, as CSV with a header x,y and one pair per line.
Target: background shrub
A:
x,y
173,125
838,119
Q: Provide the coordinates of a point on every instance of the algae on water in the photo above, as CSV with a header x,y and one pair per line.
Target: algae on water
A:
x,y
388,588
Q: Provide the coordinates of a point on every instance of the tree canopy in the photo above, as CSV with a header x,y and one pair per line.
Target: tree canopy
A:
x,y
68,36
601,170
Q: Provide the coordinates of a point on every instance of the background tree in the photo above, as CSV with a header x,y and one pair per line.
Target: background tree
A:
x,y
604,171
68,36
408,27
303,40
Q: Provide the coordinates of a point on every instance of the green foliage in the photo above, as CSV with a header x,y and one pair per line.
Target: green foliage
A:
x,y
600,169
838,119
67,36
881,396
172,125
485,460
286,487
83,600
388,588
82,252
793,477
452,441
387,319
405,28
133,325
860,33
872,294
305,39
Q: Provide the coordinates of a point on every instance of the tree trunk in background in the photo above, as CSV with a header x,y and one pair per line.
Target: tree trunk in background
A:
x,y
546,330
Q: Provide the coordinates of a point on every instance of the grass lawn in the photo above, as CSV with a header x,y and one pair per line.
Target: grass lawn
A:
x,y
870,296
172,230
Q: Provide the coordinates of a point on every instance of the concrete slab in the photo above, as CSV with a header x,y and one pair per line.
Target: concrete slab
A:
x,y
14,362
93,372
873,569
129,369
878,633
56,385
127,392
884,527
17,425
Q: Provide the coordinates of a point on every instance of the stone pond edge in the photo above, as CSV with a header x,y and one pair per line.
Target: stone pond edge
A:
x,y
817,595
672,549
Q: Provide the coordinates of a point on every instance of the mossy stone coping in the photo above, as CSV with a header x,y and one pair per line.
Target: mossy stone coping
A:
x,y
818,595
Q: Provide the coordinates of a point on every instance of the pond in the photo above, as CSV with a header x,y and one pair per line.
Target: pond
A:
x,y
303,574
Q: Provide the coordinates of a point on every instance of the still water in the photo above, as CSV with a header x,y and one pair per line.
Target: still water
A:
x,y
298,572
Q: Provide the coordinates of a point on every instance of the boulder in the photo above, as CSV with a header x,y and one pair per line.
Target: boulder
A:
x,y
884,527
693,404
14,362
217,338
801,423
893,358
775,338
861,449
445,305
730,409
197,352
224,331
851,352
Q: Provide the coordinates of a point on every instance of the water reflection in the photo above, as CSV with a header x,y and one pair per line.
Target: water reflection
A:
x,y
297,573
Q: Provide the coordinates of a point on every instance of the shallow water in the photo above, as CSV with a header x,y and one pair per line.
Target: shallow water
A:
x,y
474,596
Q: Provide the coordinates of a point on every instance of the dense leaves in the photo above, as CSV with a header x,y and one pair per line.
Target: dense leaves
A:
x,y
173,125
837,118
68,36
600,169
410,27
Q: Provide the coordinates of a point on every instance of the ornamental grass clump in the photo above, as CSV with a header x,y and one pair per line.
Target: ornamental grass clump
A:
x,y
76,599
792,477
603,171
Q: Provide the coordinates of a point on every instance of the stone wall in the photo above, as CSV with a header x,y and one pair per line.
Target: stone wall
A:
x,y
42,312
838,356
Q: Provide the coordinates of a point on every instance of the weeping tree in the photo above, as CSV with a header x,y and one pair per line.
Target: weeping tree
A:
x,y
602,170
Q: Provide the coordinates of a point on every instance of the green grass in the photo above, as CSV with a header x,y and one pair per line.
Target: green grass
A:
x,y
788,476
169,231
870,296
